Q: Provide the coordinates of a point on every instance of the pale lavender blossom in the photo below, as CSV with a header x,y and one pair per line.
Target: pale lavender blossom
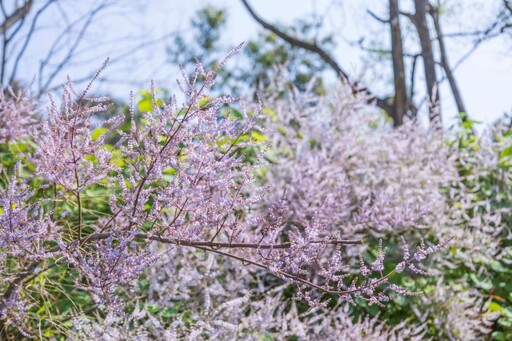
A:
x,y
182,184
17,115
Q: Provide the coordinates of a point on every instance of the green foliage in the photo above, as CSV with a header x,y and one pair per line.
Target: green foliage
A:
x,y
268,52
266,57
203,44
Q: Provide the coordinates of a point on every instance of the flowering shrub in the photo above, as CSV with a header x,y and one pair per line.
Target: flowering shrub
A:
x,y
384,183
215,300
83,206
17,115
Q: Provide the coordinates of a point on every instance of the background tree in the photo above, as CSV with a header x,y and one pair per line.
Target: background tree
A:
x,y
265,58
169,221
426,20
45,40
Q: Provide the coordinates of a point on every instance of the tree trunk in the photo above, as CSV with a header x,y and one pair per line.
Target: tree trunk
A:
x,y
434,12
397,54
313,47
420,21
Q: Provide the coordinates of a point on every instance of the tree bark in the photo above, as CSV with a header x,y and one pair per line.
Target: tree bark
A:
x,y
434,13
12,19
420,21
400,103
344,77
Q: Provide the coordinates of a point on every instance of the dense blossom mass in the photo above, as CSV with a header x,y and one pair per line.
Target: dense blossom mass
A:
x,y
221,215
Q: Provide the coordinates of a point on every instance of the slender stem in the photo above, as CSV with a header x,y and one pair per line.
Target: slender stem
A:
x,y
201,243
79,201
169,139
184,242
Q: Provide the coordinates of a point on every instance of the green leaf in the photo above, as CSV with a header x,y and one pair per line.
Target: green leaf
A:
x,y
145,105
271,113
204,101
265,337
98,132
493,306
258,137
508,312
91,158
169,312
499,336
169,171
312,143
152,308
485,284
235,114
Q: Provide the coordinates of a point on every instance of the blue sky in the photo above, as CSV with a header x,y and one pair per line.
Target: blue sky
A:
x,y
485,78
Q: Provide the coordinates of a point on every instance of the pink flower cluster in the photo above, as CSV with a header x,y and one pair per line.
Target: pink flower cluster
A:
x,y
16,115
178,179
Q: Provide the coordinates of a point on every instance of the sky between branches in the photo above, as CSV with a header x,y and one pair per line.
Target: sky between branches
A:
x,y
485,77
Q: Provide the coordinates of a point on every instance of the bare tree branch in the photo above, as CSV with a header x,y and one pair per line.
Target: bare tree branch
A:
x,y
412,107
344,77
419,19
434,13
18,14
508,5
27,39
72,49
217,245
376,17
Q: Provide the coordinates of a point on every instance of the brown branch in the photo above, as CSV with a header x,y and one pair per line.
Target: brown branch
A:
x,y
74,46
280,273
434,13
508,5
12,19
169,138
80,218
298,43
397,54
413,108
184,242
218,245
312,47
28,39
204,245
376,17
419,20
297,279
294,278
